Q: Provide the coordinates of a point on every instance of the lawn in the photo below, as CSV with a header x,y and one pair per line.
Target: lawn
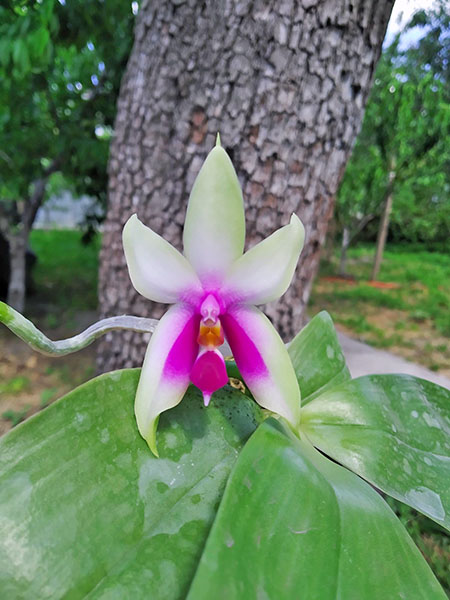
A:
x,y
410,315
65,274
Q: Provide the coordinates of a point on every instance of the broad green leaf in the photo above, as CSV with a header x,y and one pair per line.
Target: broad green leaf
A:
x,y
317,357
87,511
393,430
293,524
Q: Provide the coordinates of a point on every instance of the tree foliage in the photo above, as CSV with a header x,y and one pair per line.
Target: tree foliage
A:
x,y
60,66
404,133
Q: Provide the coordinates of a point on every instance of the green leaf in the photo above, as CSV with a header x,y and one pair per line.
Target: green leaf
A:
x,y
20,56
38,41
317,357
87,509
393,430
5,50
292,524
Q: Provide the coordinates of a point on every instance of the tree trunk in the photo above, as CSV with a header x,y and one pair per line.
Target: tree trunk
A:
x,y
17,261
344,247
384,227
330,240
285,83
18,239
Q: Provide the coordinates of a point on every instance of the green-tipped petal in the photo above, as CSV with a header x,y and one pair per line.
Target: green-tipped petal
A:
x,y
157,270
166,370
263,361
265,272
214,230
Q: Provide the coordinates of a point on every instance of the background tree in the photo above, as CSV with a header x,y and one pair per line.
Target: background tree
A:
x,y
421,212
359,195
60,79
284,82
402,150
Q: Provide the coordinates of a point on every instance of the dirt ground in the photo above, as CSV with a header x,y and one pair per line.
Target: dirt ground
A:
x,y
390,329
30,381
414,344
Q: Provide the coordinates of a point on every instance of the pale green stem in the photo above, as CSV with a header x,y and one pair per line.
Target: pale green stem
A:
x,y
30,334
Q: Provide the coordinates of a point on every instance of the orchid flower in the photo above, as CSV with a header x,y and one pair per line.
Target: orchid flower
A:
x,y
213,289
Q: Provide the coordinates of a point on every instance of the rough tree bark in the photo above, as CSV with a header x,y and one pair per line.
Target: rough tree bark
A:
x,y
285,82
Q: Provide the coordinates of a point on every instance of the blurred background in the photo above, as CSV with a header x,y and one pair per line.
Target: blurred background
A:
x,y
384,271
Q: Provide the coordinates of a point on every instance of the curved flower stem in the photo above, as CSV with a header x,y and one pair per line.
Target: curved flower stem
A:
x,y
30,334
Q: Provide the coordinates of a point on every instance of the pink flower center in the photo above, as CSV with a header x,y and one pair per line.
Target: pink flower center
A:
x,y
210,310
209,372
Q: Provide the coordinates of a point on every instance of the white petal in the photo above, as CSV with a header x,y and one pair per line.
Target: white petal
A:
x,y
166,370
157,270
214,230
263,361
265,272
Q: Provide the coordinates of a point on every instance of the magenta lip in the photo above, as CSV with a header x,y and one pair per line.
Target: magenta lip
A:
x,y
209,373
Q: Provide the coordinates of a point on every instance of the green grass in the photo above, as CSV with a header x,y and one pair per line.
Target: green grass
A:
x,y
48,395
15,385
66,271
421,301
16,416
423,278
432,540
364,293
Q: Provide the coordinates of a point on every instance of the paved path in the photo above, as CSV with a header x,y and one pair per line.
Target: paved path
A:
x,y
365,360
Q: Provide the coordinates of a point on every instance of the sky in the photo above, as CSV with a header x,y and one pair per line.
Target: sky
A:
x,y
401,13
